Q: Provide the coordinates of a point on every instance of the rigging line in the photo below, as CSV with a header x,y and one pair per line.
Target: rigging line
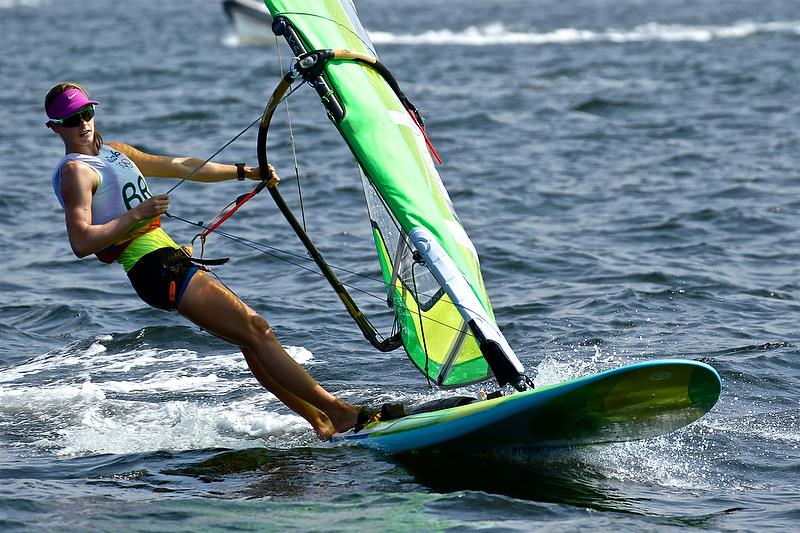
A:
x,y
204,163
265,249
421,327
292,143
255,244
369,46
400,231
213,273
236,137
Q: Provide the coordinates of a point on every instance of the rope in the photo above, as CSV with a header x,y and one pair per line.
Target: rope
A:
x,y
271,251
260,246
215,154
292,143
421,327
232,140
366,44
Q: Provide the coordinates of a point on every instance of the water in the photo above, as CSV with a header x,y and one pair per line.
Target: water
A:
x,y
626,169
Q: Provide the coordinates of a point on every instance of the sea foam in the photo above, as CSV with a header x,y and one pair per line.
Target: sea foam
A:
x,y
497,34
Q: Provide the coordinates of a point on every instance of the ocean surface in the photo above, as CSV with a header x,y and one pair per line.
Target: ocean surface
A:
x,y
629,171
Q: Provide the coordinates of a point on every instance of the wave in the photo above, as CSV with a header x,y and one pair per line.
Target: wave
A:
x,y
124,427
6,4
88,398
497,34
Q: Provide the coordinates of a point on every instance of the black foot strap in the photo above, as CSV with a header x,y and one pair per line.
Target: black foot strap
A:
x,y
393,411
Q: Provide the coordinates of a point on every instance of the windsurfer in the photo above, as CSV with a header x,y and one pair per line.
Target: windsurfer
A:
x,y
110,212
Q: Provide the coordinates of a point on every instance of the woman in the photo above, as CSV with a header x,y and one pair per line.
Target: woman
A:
x,y
110,212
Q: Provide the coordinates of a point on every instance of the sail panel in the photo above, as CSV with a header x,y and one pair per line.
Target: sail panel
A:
x,y
435,335
404,193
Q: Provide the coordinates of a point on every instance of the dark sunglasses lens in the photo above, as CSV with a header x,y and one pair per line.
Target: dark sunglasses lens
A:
x,y
86,115
71,122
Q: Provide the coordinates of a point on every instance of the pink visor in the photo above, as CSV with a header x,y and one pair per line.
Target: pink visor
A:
x,y
68,103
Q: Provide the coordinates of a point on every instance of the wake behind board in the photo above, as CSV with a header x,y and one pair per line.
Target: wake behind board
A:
x,y
637,401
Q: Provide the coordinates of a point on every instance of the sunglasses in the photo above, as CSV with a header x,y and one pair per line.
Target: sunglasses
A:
x,y
86,114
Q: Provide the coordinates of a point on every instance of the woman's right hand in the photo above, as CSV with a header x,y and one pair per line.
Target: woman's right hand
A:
x,y
153,207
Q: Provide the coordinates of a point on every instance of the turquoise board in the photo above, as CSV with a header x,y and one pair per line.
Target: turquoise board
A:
x,y
638,401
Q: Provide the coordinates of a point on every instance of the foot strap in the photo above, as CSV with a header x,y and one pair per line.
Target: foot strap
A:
x,y
393,411
369,415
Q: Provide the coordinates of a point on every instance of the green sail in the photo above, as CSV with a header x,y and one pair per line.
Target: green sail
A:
x,y
403,192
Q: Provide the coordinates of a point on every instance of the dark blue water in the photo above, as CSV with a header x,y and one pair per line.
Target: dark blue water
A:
x,y
627,169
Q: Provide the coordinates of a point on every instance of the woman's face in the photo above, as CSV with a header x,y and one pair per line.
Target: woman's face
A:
x,y
78,129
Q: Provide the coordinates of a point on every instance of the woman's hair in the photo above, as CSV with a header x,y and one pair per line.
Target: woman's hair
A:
x,y
60,88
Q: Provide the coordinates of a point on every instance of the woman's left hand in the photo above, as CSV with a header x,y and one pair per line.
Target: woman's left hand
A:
x,y
254,173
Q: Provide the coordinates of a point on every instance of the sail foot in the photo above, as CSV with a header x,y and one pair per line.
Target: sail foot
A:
x,y
504,363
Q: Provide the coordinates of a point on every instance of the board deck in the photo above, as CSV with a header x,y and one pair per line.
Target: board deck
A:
x,y
637,401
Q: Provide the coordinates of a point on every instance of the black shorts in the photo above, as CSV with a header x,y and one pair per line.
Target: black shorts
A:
x,y
161,276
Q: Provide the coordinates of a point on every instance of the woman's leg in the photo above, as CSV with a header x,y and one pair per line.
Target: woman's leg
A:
x,y
220,312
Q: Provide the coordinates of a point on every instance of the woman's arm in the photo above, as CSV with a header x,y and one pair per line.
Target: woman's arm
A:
x,y
181,167
78,182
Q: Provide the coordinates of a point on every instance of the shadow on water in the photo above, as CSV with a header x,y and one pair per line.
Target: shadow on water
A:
x,y
306,472
549,476
296,473
556,475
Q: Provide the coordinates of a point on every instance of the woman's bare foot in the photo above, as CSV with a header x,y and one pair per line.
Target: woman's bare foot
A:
x,y
325,431
344,417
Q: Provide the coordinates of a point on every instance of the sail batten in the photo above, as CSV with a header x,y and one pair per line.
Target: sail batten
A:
x,y
429,265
